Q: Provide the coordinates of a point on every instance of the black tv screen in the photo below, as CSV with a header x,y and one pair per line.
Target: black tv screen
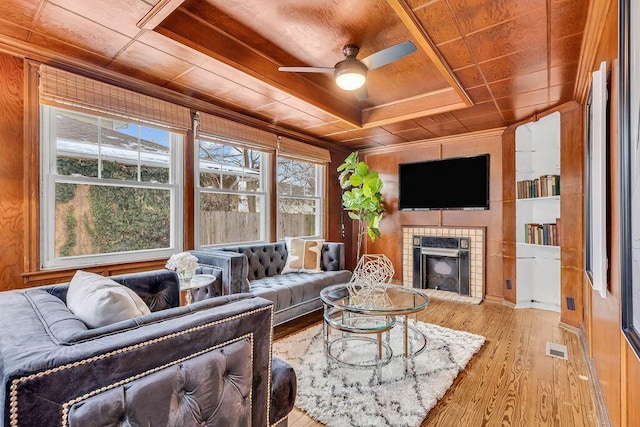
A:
x,y
455,183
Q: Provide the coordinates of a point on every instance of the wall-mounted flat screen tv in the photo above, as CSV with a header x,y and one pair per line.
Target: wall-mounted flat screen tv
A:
x,y
454,183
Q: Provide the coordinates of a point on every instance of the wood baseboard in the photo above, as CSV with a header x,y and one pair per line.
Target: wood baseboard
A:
x,y
493,298
508,304
596,391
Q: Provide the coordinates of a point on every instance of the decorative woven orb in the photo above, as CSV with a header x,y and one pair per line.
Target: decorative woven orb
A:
x,y
370,279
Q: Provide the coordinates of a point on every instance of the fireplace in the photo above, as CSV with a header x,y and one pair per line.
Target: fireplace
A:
x,y
476,237
441,263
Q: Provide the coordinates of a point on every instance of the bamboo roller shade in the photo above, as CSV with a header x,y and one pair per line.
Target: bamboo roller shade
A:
x,y
236,132
64,89
291,148
61,88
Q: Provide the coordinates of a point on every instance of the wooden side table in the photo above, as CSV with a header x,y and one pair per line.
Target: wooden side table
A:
x,y
198,281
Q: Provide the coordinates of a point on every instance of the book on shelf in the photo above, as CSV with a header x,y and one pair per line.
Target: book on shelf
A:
x,y
544,186
542,234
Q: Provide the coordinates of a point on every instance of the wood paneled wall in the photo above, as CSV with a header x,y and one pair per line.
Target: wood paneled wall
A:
x,y
571,212
509,213
616,365
12,221
386,162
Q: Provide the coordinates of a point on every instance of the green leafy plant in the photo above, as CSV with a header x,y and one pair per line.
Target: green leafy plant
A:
x,y
362,198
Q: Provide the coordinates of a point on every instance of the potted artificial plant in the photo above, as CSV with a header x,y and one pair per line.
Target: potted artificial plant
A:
x,y
361,198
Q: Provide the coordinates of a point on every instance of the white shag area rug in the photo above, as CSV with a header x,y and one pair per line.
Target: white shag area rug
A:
x,y
338,395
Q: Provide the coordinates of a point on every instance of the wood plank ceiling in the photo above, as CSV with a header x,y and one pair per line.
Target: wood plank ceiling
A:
x,y
480,64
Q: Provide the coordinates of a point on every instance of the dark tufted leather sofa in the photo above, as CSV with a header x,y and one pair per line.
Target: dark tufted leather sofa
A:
x,y
206,364
257,269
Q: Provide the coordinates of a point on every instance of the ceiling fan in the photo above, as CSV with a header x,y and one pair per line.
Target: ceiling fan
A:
x,y
350,73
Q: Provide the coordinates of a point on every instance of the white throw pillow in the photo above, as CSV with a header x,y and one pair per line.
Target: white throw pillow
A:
x,y
99,301
303,255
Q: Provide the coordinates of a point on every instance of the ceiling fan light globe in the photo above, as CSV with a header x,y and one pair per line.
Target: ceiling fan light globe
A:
x,y
350,80
350,74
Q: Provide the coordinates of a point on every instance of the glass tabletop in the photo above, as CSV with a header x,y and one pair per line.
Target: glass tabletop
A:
x,y
386,300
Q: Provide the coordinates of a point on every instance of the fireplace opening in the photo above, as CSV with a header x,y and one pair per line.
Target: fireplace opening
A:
x,y
441,273
441,263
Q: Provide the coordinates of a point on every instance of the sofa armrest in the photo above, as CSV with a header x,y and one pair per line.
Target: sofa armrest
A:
x,y
333,256
159,289
213,289
122,357
284,386
233,267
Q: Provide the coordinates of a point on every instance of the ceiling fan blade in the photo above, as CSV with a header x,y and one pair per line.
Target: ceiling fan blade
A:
x,y
362,93
388,55
307,69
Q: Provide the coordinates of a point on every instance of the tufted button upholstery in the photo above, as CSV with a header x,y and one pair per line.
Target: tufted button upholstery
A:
x,y
212,290
285,290
258,269
159,289
211,389
203,364
263,260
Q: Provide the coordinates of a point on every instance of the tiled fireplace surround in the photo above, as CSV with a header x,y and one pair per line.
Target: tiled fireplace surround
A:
x,y
476,237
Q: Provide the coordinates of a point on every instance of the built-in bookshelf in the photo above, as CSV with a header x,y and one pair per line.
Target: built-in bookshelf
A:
x,y
538,214
544,186
541,234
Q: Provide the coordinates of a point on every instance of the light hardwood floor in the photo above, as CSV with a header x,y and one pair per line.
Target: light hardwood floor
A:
x,y
510,381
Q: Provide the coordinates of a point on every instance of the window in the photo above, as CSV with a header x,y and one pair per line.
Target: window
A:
x,y
299,198
110,189
230,193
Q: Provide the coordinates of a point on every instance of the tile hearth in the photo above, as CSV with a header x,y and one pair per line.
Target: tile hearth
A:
x,y
476,237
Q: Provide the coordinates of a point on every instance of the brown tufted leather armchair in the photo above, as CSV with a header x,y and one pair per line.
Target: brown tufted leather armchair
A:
x,y
207,364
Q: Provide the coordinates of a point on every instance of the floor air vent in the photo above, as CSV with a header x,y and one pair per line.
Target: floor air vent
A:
x,y
556,350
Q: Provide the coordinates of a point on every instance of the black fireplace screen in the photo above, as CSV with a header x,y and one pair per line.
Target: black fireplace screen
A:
x,y
441,263
441,273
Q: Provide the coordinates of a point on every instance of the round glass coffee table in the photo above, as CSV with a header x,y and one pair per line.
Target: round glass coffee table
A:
x,y
360,318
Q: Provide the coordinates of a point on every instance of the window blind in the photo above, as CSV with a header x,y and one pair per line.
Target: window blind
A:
x,y
236,133
291,148
61,88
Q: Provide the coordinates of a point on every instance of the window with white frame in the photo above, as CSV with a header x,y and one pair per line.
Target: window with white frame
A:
x,y
299,198
111,189
231,193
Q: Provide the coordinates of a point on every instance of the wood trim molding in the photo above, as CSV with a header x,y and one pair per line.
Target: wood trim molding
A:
x,y
594,382
624,386
593,30
494,298
562,108
440,101
417,145
188,192
272,226
158,13
31,158
509,304
406,15
45,277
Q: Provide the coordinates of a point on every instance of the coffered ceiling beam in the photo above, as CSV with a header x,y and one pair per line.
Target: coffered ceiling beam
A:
x,y
192,31
440,101
158,13
406,15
